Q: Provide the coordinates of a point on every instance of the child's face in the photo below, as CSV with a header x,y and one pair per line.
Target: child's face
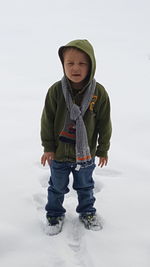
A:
x,y
76,65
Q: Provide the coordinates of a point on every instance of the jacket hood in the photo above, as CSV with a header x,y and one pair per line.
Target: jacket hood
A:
x,y
86,47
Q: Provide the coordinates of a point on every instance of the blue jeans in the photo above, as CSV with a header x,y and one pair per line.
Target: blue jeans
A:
x,y
82,182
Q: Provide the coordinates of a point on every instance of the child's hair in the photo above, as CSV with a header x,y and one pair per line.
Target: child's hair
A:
x,y
64,49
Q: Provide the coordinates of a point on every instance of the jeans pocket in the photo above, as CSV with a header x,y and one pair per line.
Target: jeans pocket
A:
x,y
89,164
57,165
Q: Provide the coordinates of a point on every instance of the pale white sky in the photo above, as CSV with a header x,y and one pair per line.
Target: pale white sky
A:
x,y
32,31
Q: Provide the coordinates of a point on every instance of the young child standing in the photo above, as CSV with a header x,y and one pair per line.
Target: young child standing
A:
x,y
75,127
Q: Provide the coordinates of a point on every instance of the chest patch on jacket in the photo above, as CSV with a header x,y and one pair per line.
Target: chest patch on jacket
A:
x,y
92,103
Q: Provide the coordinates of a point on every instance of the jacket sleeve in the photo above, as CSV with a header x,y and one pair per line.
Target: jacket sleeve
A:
x,y
104,128
47,122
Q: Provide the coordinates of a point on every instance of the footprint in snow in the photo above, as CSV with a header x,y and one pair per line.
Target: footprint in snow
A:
x,y
59,263
75,234
77,243
39,200
107,172
44,181
98,186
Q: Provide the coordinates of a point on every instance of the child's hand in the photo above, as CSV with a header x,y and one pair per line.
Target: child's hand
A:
x,y
102,162
47,156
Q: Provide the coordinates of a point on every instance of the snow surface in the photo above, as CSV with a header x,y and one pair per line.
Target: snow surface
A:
x,y
30,35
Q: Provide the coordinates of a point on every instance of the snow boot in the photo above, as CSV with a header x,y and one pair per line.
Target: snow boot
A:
x,y
91,221
54,225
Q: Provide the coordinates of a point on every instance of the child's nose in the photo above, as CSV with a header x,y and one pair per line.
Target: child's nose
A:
x,y
75,67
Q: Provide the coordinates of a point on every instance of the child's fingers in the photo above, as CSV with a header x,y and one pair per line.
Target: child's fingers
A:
x,y
43,160
102,162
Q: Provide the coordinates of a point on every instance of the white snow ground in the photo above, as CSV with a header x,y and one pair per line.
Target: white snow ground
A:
x,y
30,34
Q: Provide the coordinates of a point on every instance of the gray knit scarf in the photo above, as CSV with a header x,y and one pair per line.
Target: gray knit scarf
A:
x,y
74,130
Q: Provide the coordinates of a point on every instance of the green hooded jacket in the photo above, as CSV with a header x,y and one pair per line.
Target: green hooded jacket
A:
x,y
97,117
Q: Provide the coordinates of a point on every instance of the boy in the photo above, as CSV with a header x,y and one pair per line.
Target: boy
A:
x,y
76,115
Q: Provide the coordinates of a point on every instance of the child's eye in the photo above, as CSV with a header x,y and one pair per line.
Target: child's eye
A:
x,y
70,63
82,63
